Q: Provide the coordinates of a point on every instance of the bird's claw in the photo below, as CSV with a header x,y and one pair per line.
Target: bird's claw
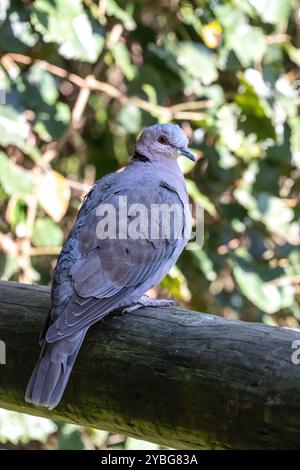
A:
x,y
146,301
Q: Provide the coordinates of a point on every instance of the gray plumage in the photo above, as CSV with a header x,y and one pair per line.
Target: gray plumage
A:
x,y
93,277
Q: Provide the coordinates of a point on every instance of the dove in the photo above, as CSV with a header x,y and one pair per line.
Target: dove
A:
x,y
100,271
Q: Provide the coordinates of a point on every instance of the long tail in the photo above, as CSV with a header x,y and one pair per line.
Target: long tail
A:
x,y
52,371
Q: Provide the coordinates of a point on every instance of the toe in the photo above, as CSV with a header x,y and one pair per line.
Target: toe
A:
x,y
131,309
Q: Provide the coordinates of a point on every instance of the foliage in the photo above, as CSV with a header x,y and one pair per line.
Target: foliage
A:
x,y
20,431
81,78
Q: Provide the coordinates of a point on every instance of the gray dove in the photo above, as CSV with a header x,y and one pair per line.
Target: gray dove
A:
x,y
95,275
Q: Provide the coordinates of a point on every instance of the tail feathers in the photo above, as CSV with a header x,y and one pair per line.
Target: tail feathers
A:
x,y
52,371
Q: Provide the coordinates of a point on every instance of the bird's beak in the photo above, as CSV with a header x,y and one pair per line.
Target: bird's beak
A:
x,y
186,153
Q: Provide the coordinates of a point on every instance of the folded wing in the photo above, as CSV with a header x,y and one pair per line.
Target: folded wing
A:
x,y
108,272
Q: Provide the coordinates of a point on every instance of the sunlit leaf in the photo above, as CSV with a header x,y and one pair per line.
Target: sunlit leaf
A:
x,y
275,12
200,198
54,195
176,283
47,233
259,118
212,34
21,428
66,23
265,294
137,444
240,36
151,93
52,121
16,31
43,81
123,14
198,61
10,265
205,264
295,140
272,211
122,59
14,129
16,212
14,179
130,118
186,165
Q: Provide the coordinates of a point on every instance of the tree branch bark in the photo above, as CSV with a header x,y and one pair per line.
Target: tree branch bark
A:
x,y
184,379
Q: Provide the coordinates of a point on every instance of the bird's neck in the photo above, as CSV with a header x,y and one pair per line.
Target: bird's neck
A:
x,y
163,165
139,157
162,169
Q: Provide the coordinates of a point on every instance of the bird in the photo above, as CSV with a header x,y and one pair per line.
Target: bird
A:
x,y
95,275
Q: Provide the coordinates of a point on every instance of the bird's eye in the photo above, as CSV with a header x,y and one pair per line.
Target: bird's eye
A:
x,y
163,140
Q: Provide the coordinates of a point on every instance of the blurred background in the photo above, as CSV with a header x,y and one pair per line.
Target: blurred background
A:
x,y
79,79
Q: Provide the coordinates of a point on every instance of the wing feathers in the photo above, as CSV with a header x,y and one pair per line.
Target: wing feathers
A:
x,y
101,275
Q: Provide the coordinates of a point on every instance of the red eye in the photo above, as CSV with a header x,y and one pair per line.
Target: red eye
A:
x,y
163,140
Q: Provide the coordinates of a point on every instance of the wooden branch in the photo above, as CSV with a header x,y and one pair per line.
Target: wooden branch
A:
x,y
180,378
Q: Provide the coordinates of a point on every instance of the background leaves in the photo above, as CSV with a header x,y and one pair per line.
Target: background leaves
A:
x,y
80,79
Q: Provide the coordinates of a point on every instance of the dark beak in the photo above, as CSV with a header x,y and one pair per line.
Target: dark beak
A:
x,y
186,153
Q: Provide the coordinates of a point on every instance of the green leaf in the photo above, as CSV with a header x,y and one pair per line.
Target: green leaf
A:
x,y
247,42
227,159
16,214
198,61
275,12
10,265
130,118
138,444
51,121
65,22
123,14
295,140
70,438
272,211
205,264
22,29
227,127
293,52
151,93
16,31
14,179
243,40
4,6
37,90
259,117
186,165
122,59
43,81
277,216
14,129
262,292
47,233
21,428
176,283
200,198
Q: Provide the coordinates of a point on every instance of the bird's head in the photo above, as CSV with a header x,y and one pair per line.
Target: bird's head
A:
x,y
163,141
